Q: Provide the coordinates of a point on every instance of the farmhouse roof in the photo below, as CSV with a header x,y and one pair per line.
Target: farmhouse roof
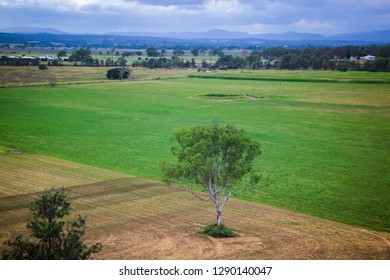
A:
x,y
368,57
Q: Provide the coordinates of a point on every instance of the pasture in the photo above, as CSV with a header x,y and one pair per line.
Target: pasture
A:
x,y
299,76
325,147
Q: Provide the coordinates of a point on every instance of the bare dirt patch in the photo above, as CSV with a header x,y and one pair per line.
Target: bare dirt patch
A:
x,y
141,219
17,152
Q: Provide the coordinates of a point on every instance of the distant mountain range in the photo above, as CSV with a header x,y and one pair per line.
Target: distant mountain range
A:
x,y
223,34
379,36
374,36
32,30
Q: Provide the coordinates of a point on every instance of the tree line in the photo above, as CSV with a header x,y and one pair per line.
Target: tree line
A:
x,y
347,58
339,58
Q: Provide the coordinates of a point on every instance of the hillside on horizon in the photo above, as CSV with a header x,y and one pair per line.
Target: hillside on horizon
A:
x,y
374,36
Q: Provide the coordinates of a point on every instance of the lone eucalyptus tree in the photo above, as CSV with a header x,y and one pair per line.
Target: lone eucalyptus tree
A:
x,y
213,157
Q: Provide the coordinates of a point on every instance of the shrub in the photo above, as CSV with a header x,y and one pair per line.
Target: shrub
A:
x,y
54,237
42,67
215,231
115,74
55,62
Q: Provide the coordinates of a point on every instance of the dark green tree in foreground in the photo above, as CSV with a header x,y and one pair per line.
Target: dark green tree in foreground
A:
x,y
214,157
53,238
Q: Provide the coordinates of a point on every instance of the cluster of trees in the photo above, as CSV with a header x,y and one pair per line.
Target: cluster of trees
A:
x,y
341,59
79,57
84,57
158,59
163,62
131,53
153,52
19,61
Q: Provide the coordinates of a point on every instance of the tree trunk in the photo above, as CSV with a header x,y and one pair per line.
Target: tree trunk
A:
x,y
219,218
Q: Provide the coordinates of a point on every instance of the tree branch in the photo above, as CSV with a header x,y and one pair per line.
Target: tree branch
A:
x,y
191,191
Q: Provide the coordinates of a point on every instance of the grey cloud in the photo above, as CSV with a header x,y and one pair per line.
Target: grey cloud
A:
x,y
192,5
344,14
93,8
90,20
169,2
263,4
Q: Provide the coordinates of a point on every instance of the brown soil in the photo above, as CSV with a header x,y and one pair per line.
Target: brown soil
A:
x,y
140,219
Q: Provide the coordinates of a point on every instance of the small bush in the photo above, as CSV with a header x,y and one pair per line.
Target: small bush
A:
x,y
115,74
221,95
215,231
42,67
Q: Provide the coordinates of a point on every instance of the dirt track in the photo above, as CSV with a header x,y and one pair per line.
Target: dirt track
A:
x,y
139,219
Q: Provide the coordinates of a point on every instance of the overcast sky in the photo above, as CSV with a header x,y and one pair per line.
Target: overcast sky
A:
x,y
258,16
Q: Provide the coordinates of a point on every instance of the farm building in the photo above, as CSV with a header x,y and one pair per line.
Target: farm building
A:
x,y
368,57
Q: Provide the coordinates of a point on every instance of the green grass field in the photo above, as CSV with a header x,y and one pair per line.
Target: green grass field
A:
x,y
299,76
325,145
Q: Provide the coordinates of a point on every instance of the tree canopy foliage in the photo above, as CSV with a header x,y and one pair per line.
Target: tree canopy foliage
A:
x,y
54,237
83,55
152,52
